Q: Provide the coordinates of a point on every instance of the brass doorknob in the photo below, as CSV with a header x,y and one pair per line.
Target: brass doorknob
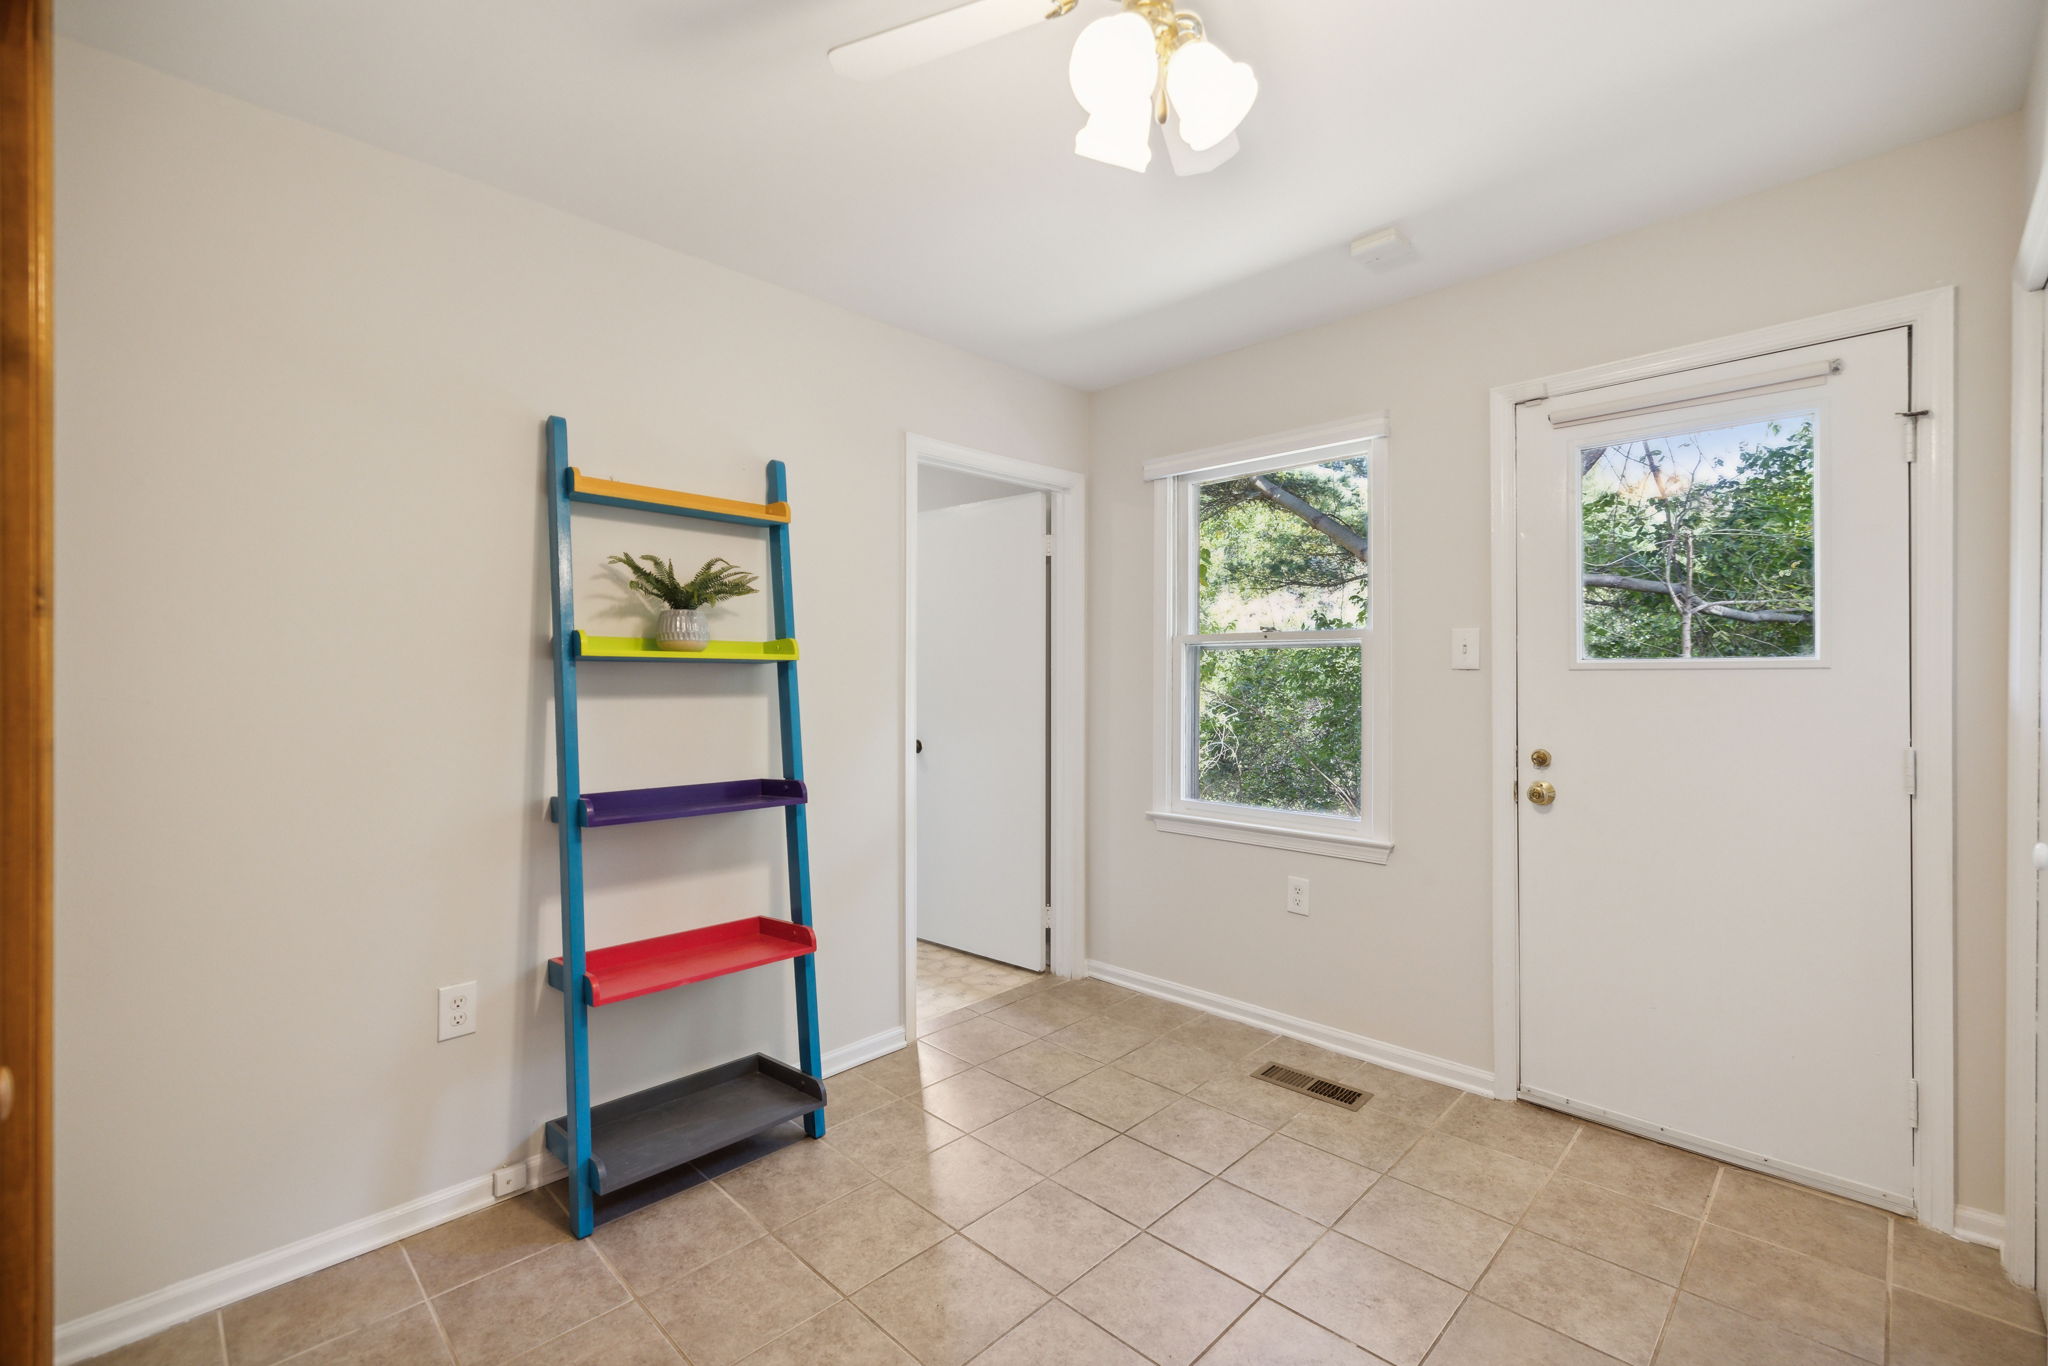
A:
x,y
1541,794
1540,758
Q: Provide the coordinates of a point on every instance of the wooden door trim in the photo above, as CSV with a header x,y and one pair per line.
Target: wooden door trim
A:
x,y
1931,317
27,1316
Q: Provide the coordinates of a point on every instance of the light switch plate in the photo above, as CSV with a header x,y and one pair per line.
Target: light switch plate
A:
x,y
1464,647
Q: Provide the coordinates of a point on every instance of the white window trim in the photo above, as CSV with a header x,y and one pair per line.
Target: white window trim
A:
x,y
1366,840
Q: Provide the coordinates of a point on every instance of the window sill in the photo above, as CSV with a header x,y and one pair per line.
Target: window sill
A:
x,y
1354,847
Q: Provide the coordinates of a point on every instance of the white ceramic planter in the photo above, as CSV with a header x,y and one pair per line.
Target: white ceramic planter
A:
x,y
683,628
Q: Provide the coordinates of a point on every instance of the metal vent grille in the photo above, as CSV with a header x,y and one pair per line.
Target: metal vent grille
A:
x,y
1322,1088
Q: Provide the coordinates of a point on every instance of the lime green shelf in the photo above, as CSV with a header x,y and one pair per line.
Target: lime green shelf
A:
x,y
639,647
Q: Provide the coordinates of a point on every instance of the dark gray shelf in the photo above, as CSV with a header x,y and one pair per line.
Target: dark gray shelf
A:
x,y
650,1132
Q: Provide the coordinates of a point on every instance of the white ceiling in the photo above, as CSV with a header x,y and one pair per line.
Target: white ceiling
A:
x,y
948,200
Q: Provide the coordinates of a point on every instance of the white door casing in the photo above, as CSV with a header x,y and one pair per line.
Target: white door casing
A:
x,y
981,718
1716,935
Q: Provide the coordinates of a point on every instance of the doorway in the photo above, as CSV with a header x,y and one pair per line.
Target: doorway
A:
x,y
1721,759
993,684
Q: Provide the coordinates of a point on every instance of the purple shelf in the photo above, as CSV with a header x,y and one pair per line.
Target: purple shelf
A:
x,y
693,799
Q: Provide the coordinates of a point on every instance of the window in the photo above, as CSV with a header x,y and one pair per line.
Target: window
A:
x,y
1699,544
1272,641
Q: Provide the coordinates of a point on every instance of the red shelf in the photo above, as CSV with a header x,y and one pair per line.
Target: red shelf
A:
x,y
620,972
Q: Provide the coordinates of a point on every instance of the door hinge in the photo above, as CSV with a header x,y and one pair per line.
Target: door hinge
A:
x,y
1913,1103
1047,922
1913,432
1048,544
1912,772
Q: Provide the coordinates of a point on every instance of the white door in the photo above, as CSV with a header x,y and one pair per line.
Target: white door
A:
x,y
1714,633
981,721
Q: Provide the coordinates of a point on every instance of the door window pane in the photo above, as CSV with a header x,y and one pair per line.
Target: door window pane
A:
x,y
1699,545
1283,551
1278,727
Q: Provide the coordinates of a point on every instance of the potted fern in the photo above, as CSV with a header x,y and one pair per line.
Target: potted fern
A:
x,y
683,623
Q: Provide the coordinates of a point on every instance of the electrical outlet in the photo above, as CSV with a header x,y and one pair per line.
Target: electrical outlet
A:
x,y
505,1180
1297,896
458,1010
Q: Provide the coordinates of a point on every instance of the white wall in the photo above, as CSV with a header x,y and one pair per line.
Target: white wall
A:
x,y
1400,953
303,700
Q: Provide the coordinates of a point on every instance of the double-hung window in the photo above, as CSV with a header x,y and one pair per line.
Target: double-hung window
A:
x,y
1272,642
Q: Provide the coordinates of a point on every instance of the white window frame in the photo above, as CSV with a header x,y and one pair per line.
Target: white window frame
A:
x,y
1174,480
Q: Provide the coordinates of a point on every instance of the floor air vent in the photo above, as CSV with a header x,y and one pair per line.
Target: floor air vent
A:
x,y
1322,1088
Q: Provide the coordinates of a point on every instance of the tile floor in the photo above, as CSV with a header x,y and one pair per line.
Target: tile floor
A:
x,y
949,980
1066,1174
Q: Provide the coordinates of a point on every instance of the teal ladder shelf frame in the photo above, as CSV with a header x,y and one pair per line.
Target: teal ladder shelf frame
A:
x,y
616,1151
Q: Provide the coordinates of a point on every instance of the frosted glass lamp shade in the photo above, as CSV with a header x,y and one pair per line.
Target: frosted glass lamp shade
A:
x,y
1209,91
1114,71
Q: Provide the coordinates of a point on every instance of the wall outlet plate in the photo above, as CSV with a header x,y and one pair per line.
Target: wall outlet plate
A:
x,y
506,1180
458,1010
1297,896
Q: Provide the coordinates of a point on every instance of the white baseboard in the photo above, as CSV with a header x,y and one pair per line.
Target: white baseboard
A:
x,y
86,1337
1461,1075
864,1050
1980,1226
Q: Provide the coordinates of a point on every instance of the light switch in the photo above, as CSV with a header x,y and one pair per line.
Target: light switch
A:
x,y
1464,647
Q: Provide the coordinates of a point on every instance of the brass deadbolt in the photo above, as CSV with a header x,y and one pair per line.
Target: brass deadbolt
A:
x,y
1541,794
1540,758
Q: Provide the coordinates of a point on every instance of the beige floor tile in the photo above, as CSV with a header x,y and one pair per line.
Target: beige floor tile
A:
x,y
978,1039
1045,1136
1315,1060
793,1181
974,1098
1096,994
1490,1181
1514,1127
1602,1305
728,1308
624,1337
1050,1234
929,1024
1400,1096
651,1247
863,1235
1042,1014
1105,1038
1114,1097
1448,1240
1702,1333
1228,1040
850,1097
1022,991
1930,1263
1306,1180
908,1070
1614,1227
1268,1335
1153,1013
1040,1066
841,1336
1173,1063
1855,1236
1243,1236
1634,1166
1812,1298
1485,1334
299,1314
496,1317
1199,1135
1929,1332
1161,1301
1379,1302
410,1337
892,1135
1370,1139
961,1181
466,1248
195,1342
1057,1336
1131,1180
1261,1102
950,1302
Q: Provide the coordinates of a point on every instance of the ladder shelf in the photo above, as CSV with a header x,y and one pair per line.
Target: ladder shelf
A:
x,y
632,1140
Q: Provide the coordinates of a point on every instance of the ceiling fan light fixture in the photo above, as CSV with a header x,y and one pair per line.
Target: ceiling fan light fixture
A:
x,y
1211,93
1114,72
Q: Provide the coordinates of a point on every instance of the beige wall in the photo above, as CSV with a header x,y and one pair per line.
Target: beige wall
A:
x,y
303,694
1401,953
